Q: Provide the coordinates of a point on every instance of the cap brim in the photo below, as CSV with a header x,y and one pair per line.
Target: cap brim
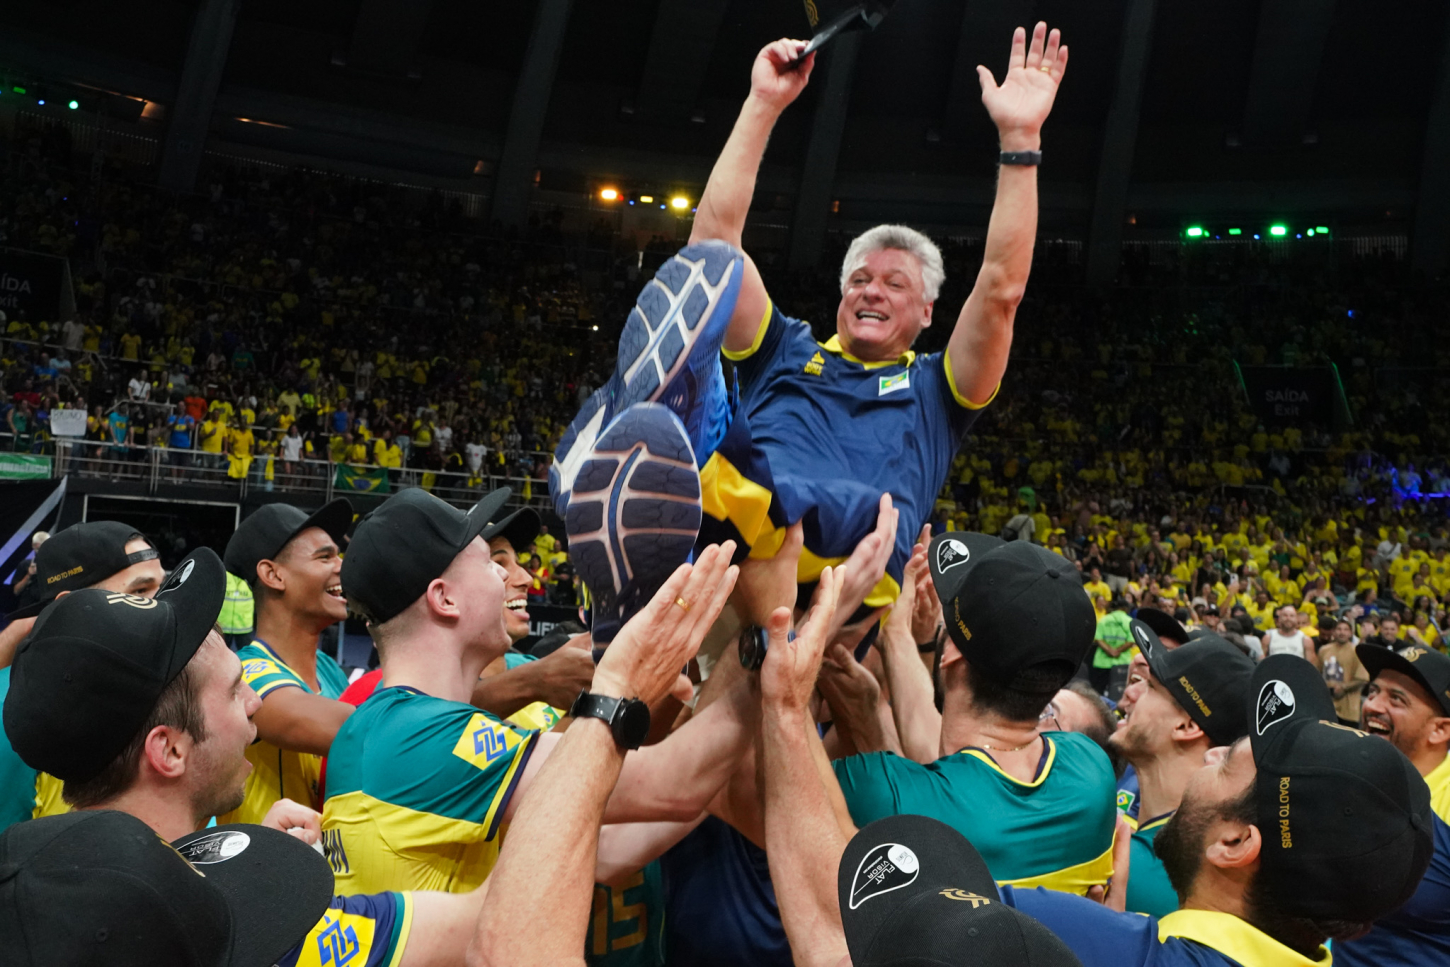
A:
x,y
30,610
952,556
519,529
276,886
1376,659
1164,625
480,515
1285,689
872,884
334,517
195,591
1151,646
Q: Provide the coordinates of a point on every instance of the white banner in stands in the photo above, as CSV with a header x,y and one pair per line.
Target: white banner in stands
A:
x,y
68,422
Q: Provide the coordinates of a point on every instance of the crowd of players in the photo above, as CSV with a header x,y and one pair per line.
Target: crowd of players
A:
x,y
882,750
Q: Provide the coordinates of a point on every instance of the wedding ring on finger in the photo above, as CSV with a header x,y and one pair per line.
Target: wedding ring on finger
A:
x,y
684,605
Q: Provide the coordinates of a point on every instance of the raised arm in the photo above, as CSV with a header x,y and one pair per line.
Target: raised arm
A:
x,y
674,780
918,723
721,213
983,335
559,830
803,837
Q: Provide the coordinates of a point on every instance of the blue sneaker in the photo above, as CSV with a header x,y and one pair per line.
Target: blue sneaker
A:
x,y
634,513
669,353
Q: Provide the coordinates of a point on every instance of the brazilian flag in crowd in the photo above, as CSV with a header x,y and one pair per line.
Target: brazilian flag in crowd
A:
x,y
361,480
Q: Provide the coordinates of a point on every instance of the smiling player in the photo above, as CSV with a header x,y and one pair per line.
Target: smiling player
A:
x,y
294,565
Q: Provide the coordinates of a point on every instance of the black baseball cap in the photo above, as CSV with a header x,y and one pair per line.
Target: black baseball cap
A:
x,y
100,887
914,892
411,539
1334,803
1208,678
262,536
80,556
1018,613
1425,665
519,529
829,18
1164,625
90,672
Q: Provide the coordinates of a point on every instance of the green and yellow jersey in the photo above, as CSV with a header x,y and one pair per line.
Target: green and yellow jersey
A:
x,y
1149,890
537,715
417,787
280,773
357,931
627,923
1055,831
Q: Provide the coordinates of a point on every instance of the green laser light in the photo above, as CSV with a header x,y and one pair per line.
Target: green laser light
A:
x,y
1236,231
1278,231
1194,231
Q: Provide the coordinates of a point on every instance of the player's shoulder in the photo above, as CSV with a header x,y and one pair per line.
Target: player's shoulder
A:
x,y
366,930
261,666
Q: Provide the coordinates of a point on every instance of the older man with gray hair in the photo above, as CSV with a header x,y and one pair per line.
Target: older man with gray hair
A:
x,y
824,431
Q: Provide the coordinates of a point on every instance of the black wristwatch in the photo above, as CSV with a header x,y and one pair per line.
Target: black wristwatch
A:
x,y
752,645
628,718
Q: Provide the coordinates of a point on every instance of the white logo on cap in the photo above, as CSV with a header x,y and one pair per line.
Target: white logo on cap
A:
x,y
215,847
1144,641
1276,704
884,868
182,573
950,553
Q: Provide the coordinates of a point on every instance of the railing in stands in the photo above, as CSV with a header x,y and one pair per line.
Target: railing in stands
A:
x,y
154,467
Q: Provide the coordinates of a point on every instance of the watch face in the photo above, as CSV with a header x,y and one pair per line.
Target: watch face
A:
x,y
633,724
752,647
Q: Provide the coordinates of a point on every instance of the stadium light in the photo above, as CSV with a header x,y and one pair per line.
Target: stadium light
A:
x,y
1310,233
18,89
1321,229
41,102
1278,231
1236,231
646,198
74,105
679,203
609,194
1195,231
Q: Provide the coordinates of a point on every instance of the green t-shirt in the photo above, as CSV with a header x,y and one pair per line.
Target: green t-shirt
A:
x,y
1113,628
1055,831
417,787
1148,888
627,925
17,780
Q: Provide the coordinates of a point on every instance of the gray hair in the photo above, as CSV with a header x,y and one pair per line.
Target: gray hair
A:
x,y
933,274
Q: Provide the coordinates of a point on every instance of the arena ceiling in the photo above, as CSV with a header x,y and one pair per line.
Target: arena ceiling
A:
x,y
1243,102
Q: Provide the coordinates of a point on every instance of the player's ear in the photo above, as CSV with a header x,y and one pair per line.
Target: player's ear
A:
x,y
165,750
271,575
1231,844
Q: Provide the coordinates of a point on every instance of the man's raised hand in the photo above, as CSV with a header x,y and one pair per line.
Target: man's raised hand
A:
x,y
1021,104
645,658
789,674
775,78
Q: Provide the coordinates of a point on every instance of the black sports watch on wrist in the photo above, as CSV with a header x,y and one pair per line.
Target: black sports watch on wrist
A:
x,y
628,718
752,646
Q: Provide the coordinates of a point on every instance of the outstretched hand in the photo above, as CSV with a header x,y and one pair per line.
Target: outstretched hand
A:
x,y
776,80
645,658
788,675
866,565
1022,102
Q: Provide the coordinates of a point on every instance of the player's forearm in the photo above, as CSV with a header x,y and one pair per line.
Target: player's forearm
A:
x,y
556,829
918,723
803,839
726,200
627,848
983,335
293,720
11,638
676,779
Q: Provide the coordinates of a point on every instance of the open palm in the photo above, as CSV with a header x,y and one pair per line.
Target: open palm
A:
x,y
1024,99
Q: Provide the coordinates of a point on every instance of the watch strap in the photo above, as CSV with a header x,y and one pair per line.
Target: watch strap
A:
x,y
591,706
1027,158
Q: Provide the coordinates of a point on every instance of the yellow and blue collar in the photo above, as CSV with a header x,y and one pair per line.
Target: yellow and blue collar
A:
x,y
1439,782
833,345
1235,939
